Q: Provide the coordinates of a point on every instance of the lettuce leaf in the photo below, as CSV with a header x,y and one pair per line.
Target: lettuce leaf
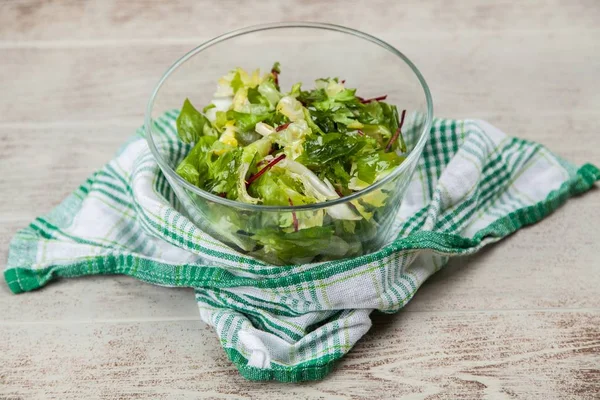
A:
x,y
313,96
296,90
269,92
277,188
337,173
287,246
255,97
321,150
380,133
236,82
191,124
246,122
188,171
208,107
223,170
193,167
292,138
291,108
346,95
375,166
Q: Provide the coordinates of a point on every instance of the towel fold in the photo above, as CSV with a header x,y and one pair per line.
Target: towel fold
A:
x,y
473,186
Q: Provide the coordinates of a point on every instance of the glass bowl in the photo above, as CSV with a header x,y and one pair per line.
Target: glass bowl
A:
x,y
306,51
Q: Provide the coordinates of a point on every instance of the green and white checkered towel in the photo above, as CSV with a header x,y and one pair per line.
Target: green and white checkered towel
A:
x,y
474,185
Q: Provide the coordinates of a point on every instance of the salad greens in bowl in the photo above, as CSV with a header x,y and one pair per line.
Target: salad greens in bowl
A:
x,y
283,167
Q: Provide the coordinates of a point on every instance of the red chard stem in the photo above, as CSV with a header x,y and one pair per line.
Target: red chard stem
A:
x,y
282,127
294,218
265,169
397,133
364,101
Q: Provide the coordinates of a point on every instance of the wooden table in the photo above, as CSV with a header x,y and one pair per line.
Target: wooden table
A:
x,y
519,320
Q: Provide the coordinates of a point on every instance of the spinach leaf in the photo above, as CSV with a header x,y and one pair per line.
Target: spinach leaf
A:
x,y
191,124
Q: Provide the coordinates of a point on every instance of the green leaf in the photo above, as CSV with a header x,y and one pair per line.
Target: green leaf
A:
x,y
320,150
221,120
308,242
343,116
208,107
370,167
255,97
223,170
391,116
313,96
393,122
277,188
267,188
380,133
193,167
324,120
366,168
188,172
246,122
261,146
340,173
269,92
296,89
191,124
371,113
401,143
336,173
346,95
311,123
236,82
247,137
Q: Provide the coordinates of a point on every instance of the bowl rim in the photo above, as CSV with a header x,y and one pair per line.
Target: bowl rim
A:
x,y
411,157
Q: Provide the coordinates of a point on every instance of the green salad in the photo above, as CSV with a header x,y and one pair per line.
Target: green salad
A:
x,y
258,144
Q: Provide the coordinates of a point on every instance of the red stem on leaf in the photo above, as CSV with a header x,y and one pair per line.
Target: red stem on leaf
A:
x,y
282,127
294,218
364,101
361,133
397,133
343,81
262,171
339,193
222,195
275,77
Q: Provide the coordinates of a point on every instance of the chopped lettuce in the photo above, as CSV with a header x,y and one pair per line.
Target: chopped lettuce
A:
x,y
307,242
256,144
193,168
269,92
321,150
292,139
192,125
291,108
246,122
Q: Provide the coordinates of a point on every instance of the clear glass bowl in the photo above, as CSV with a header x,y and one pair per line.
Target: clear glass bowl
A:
x,y
306,51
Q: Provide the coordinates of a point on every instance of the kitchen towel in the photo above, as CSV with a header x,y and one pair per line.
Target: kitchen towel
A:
x,y
474,185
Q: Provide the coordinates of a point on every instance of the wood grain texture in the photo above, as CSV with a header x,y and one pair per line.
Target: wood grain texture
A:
x,y
527,77
518,320
548,355
73,20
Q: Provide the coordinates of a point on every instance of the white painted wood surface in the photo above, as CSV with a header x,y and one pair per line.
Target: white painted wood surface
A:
x,y
519,320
